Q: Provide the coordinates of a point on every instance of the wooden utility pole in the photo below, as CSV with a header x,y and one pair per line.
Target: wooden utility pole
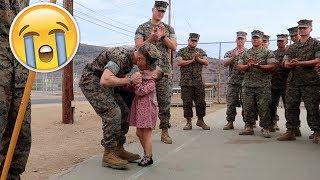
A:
x,y
67,81
169,18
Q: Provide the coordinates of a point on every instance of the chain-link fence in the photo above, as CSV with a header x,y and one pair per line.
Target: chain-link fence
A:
x,y
214,74
51,83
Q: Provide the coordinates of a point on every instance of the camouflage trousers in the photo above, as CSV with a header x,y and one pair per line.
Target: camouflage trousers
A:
x,y
259,98
164,93
9,106
275,98
311,98
12,81
196,94
233,101
112,105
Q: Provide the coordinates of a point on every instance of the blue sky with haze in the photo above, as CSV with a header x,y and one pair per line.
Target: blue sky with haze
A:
x,y
214,20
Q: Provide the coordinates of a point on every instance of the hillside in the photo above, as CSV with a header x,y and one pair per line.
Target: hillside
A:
x,y
86,53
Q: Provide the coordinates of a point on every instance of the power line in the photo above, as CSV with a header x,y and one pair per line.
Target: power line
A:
x,y
84,14
102,21
102,26
124,4
103,15
174,20
188,24
90,21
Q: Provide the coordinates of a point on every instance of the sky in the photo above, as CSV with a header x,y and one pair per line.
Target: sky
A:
x,y
214,20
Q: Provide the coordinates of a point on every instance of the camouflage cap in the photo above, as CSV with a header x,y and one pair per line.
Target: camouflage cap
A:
x,y
194,35
266,37
282,37
161,5
150,52
293,31
305,23
241,34
257,33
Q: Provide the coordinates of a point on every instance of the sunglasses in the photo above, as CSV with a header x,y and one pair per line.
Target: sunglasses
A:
x,y
159,10
302,28
194,40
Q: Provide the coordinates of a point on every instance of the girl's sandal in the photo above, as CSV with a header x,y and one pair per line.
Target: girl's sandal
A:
x,y
146,161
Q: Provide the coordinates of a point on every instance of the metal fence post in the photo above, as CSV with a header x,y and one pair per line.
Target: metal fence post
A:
x,y
219,75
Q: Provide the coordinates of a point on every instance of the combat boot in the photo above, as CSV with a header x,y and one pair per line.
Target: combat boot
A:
x,y
12,176
255,124
110,159
288,136
228,126
248,130
272,129
165,138
265,133
123,154
311,136
276,127
297,132
203,125
316,138
188,125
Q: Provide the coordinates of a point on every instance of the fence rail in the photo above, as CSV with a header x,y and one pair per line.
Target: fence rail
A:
x,y
215,73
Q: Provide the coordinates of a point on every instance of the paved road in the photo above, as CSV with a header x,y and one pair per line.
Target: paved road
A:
x,y
54,100
216,154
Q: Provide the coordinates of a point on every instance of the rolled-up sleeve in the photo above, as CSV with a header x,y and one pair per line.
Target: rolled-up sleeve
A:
x,y
172,33
113,67
139,33
271,58
317,50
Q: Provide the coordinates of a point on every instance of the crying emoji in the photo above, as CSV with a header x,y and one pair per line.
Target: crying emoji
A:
x,y
44,37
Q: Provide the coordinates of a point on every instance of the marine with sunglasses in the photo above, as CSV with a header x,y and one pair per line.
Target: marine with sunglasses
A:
x,y
191,60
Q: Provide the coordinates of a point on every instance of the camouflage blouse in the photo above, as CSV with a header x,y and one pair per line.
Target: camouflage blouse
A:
x,y
301,76
190,74
255,77
117,60
280,74
144,31
235,75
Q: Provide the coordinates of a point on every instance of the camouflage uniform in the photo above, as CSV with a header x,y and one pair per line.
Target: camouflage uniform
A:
x,y
278,85
164,86
192,87
110,103
13,77
303,82
234,88
256,87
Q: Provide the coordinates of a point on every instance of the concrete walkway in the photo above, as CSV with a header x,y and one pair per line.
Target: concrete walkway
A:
x,y
216,154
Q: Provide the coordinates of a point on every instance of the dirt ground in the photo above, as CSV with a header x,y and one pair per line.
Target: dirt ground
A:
x,y
57,147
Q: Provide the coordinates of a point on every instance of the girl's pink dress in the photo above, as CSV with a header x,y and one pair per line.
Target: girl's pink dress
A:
x,y
144,111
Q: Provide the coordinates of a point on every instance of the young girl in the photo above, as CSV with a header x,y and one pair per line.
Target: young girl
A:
x,y
143,114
